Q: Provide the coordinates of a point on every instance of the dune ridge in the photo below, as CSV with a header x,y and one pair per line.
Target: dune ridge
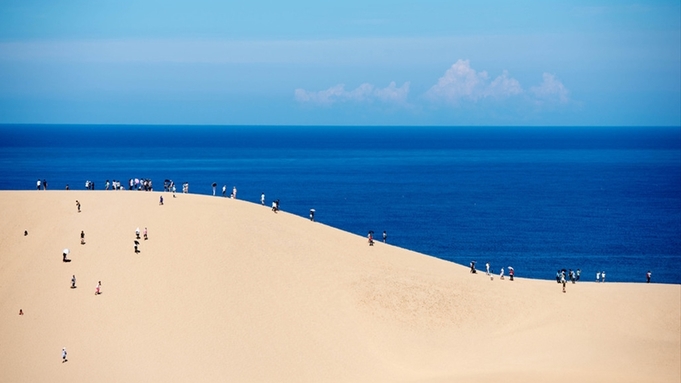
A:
x,y
227,290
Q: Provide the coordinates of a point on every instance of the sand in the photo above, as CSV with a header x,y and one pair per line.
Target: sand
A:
x,y
227,290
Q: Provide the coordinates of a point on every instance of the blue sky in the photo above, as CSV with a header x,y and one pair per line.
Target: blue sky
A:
x,y
341,63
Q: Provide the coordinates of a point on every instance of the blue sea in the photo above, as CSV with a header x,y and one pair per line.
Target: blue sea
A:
x,y
535,198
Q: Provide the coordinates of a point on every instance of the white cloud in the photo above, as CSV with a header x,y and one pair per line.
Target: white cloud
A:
x,y
461,82
550,89
363,93
503,86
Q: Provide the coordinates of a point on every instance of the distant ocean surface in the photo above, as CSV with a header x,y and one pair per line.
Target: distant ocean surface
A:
x,y
538,199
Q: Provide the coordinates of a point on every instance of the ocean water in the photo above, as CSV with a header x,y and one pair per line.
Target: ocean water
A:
x,y
537,199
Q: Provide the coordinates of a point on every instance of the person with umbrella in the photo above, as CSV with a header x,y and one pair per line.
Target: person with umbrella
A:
x,y
511,272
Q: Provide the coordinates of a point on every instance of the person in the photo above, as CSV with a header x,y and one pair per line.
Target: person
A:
x,y
511,272
562,280
73,281
44,184
579,273
312,215
82,237
558,276
145,234
224,190
603,276
67,186
21,312
214,185
37,185
472,265
63,355
385,236
78,205
234,192
573,277
106,185
371,238
98,288
598,277
648,275
64,254
136,244
137,233
487,268
25,233
160,201
262,199
501,274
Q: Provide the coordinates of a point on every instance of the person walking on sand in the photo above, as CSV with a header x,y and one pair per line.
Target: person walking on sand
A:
x,y
262,199
371,238
214,185
234,192
82,237
137,233
224,190
37,185
603,276
137,243
63,355
160,201
487,268
73,281
648,275
385,236
98,288
501,274
65,253
511,272
563,281
146,236
598,277
78,205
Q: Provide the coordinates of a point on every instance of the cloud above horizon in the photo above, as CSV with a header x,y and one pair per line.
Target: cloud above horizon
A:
x,y
550,90
363,93
460,84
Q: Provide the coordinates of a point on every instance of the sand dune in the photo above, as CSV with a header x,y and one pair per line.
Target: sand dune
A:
x,y
226,290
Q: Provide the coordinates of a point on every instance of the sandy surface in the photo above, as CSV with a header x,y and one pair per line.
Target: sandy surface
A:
x,y
226,290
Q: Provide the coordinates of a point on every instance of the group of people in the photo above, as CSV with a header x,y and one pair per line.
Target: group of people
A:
x,y
41,185
169,185
140,184
489,272
113,185
137,238
370,236
224,190
569,274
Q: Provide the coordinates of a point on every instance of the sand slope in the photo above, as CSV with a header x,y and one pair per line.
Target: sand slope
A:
x,y
226,290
